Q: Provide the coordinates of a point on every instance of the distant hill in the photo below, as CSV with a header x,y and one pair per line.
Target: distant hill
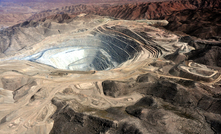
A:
x,y
199,18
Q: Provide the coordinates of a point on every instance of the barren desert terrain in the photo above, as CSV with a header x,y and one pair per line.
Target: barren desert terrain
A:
x,y
130,67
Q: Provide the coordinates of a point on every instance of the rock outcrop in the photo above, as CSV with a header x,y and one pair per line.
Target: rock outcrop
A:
x,y
192,17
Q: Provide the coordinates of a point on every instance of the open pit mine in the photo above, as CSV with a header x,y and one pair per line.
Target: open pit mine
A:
x,y
92,74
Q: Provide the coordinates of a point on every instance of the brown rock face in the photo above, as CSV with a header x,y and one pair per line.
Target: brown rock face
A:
x,y
202,23
154,10
197,18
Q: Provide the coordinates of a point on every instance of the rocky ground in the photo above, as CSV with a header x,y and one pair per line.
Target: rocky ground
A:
x,y
13,12
83,73
199,18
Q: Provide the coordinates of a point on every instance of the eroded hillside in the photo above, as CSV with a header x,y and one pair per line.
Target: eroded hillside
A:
x,y
192,17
